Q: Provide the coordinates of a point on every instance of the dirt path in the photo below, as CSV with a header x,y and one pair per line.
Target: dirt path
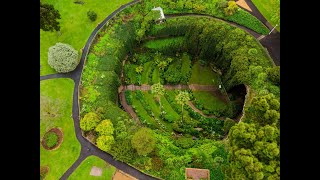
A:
x,y
128,108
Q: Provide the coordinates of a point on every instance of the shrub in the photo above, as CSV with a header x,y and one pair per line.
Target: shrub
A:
x,y
231,8
246,19
105,128
63,58
184,142
89,122
51,139
92,15
143,141
128,96
105,142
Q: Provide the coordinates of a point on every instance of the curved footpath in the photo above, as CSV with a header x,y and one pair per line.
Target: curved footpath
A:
x,y
87,148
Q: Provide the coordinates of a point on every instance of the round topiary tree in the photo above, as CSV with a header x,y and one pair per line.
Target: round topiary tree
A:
x,y
143,141
105,142
105,128
89,121
92,15
63,58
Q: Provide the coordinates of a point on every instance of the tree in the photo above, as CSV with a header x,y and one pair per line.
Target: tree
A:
x,y
63,58
158,90
92,15
143,141
274,75
105,142
89,121
228,123
182,98
49,18
231,8
104,128
121,130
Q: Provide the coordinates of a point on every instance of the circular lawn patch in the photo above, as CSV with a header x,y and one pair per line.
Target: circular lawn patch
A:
x,y
52,139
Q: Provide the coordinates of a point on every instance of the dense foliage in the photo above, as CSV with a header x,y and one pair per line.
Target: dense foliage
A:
x,y
171,144
63,58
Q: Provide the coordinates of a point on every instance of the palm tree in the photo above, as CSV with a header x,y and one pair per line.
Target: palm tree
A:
x,y
182,98
158,90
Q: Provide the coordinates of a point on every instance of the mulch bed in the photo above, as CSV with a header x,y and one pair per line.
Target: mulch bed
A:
x,y
59,133
44,171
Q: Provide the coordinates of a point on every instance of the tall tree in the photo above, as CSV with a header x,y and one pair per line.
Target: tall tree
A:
x,y
182,98
158,91
49,18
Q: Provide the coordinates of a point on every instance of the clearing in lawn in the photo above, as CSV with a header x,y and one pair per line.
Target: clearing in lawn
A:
x,y
93,167
55,112
203,75
75,25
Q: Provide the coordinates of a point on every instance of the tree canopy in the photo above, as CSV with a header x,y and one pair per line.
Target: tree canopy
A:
x,y
49,18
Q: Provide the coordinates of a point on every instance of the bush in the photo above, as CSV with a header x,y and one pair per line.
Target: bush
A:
x,y
105,128
274,74
128,96
105,142
63,58
143,141
184,142
92,15
89,122
231,8
51,139
246,19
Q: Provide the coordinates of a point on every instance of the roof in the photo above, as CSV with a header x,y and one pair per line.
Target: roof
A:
x,y
196,174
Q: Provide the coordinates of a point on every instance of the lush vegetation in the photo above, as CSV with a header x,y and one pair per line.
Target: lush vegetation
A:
x,y
83,171
175,136
203,75
63,58
270,9
55,112
75,25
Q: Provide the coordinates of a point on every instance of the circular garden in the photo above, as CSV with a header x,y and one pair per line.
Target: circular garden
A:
x,y
189,92
52,139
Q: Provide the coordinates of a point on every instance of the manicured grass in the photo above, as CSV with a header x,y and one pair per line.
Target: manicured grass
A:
x,y
209,101
266,7
59,92
75,25
203,75
83,171
155,108
141,112
160,43
168,109
146,71
155,76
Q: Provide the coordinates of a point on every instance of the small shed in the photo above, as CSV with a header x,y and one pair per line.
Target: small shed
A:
x,y
197,174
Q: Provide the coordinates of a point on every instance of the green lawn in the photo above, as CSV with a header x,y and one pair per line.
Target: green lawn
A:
x,y
209,101
203,75
56,98
141,112
146,71
75,25
155,76
266,7
83,171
